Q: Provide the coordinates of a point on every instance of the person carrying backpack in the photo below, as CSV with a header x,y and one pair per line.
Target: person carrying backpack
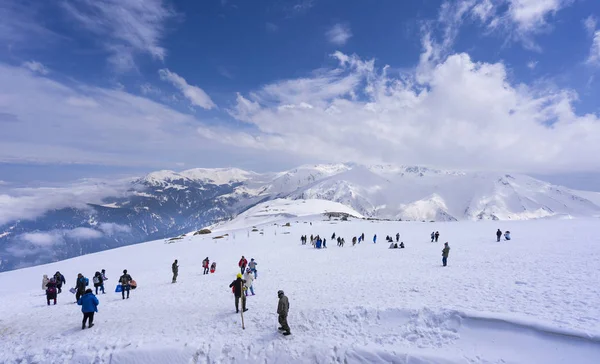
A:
x,y
252,265
98,281
125,281
89,305
60,280
205,264
80,285
51,291
242,264
175,269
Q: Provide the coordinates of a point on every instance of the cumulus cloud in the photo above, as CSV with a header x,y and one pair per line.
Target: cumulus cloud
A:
x,y
36,67
194,94
459,113
125,28
339,34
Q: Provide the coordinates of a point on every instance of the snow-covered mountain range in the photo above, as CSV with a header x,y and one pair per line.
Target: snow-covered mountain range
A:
x,y
167,203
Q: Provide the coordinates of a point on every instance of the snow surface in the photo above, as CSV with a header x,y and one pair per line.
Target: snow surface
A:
x,y
534,299
276,210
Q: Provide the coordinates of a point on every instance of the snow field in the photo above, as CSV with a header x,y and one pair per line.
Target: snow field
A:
x,y
534,299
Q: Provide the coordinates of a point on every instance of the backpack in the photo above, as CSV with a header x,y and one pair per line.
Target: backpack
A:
x,y
87,281
96,280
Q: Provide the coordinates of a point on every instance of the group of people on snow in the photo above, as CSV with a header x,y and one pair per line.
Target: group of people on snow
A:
x,y
499,235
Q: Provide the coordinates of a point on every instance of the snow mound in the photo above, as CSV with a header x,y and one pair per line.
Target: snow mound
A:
x,y
284,210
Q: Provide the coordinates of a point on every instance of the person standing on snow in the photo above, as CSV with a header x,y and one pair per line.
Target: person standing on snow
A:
x,y
205,264
60,280
242,264
397,237
283,308
51,291
45,281
374,238
498,235
238,292
432,236
249,278
324,242
437,235
252,265
80,285
103,271
98,282
125,281
175,269
333,236
89,305
445,253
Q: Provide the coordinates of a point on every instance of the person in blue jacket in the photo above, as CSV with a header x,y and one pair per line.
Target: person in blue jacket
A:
x,y
374,238
89,305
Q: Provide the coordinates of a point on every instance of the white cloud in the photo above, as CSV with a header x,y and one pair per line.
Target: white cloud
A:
x,y
194,94
271,27
461,114
30,203
71,122
36,67
590,24
111,229
339,34
532,65
43,240
126,28
594,57
82,233
518,20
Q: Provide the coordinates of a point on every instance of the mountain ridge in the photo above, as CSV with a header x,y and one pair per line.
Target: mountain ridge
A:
x,y
168,203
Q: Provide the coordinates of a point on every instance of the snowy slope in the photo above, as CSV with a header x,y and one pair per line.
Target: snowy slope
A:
x,y
531,300
281,209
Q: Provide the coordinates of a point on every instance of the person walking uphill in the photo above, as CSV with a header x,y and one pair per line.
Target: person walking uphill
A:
x,y
45,281
282,310
175,269
205,265
80,285
51,291
125,281
445,253
89,305
498,235
98,282
60,280
252,265
437,236
242,264
238,292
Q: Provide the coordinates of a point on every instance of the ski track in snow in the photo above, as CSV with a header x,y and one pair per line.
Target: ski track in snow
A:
x,y
534,299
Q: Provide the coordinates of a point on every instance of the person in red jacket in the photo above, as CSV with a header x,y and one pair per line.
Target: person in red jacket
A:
x,y
242,264
205,264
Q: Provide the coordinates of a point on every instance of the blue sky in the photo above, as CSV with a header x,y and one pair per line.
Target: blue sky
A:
x,y
94,88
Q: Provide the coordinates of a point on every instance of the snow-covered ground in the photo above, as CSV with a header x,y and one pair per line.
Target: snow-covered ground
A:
x,y
534,299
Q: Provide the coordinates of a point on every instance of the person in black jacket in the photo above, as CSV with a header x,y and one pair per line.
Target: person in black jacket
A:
x,y
98,281
125,281
238,291
60,280
80,286
498,235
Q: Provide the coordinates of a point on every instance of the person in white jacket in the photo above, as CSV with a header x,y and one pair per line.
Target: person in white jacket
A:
x,y
45,281
249,278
